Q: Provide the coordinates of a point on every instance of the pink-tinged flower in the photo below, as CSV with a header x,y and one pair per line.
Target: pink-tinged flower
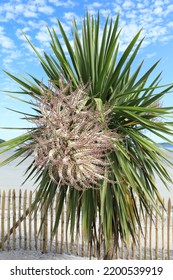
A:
x,y
71,141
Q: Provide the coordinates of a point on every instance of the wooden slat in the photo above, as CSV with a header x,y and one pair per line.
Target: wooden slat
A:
x,y
9,218
127,251
94,247
45,228
89,249
24,221
139,236
99,239
145,235
150,233
156,233
2,220
56,236
62,232
66,235
83,245
30,221
168,228
51,226
19,215
72,243
14,218
122,249
41,230
172,226
133,251
35,227
163,231
117,252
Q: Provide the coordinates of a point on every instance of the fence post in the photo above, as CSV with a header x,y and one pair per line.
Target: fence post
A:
x,y
156,232
145,235
14,218
150,238
9,218
30,220
139,235
35,226
57,230
46,227
163,233
2,220
51,225
19,215
168,228
24,221
62,231
172,225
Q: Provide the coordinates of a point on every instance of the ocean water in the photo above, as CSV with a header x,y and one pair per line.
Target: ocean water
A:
x,y
13,175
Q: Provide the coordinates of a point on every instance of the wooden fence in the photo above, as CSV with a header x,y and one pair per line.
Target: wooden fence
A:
x,y
20,229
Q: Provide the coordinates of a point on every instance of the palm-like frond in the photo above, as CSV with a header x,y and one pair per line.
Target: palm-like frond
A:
x,y
94,59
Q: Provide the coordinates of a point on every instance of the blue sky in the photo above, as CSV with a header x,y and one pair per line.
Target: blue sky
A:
x,y
32,17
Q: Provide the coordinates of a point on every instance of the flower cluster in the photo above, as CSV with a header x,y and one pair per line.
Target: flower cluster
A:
x,y
71,141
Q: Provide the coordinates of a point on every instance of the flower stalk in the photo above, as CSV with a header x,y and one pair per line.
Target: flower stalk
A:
x,y
71,141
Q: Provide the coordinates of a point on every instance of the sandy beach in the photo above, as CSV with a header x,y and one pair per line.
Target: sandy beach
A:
x,y
35,255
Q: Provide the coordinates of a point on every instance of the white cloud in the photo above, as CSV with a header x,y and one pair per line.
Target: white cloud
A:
x,y
43,36
36,24
167,38
128,4
30,14
5,41
158,11
131,14
95,5
170,24
69,17
140,5
67,3
156,32
167,1
118,9
168,10
150,55
13,9
46,10
92,11
129,31
119,1
11,56
6,7
19,8
30,55
158,3
105,12
67,27
20,35
9,16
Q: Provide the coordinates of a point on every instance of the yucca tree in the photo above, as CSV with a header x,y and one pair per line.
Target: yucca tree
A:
x,y
133,101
